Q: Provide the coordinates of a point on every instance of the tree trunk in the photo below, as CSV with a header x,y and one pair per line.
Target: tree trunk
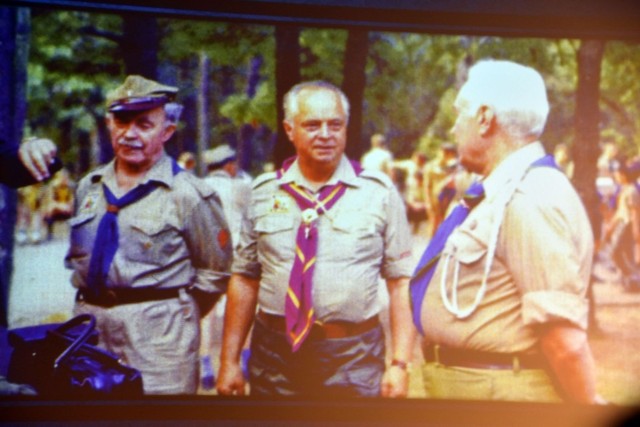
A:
x,y
203,125
587,120
287,75
14,51
353,84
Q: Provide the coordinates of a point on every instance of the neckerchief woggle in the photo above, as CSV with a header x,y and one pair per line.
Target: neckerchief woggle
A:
x,y
426,267
299,312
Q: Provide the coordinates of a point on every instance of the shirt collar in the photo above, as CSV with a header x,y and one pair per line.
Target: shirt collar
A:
x,y
161,171
343,173
511,166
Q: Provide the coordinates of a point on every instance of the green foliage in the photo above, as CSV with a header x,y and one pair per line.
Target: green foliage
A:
x,y
323,54
67,73
241,109
412,79
620,95
407,77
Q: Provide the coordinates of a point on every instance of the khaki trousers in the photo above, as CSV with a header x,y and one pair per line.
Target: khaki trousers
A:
x,y
451,382
159,338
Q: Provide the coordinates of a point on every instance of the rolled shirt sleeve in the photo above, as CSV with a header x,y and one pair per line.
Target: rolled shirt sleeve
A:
x,y
554,232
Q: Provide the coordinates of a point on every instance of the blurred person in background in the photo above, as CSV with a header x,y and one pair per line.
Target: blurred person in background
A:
x,y
623,229
438,173
234,189
378,157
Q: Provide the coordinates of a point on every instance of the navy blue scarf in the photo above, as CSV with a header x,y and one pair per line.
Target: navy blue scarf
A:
x,y
427,265
106,243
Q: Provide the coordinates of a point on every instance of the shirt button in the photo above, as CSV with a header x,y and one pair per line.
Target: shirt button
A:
x,y
473,224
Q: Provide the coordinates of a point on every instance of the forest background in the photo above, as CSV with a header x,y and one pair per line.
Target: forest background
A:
x,y
400,84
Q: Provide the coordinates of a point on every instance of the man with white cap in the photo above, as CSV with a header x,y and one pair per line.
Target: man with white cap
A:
x,y
146,239
234,190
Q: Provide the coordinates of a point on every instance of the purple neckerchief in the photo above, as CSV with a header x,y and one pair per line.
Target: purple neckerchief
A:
x,y
299,313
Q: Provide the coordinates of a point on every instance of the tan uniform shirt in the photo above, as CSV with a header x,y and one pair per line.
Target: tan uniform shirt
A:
x,y
541,268
234,194
175,236
365,235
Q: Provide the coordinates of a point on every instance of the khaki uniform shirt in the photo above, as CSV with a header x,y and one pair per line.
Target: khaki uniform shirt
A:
x,y
541,268
175,236
364,236
234,194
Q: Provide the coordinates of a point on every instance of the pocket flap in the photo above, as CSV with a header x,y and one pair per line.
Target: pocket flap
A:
x,y
274,223
151,228
466,249
81,219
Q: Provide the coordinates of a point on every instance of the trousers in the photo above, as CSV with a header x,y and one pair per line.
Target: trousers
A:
x,y
452,382
159,338
333,368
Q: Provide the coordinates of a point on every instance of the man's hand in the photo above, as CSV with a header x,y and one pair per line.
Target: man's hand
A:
x,y
230,380
242,297
36,154
395,382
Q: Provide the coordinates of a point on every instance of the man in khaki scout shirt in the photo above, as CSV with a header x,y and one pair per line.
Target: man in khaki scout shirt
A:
x,y
505,314
146,240
341,229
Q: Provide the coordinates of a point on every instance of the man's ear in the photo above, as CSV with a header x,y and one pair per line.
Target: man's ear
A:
x,y
288,128
169,130
486,120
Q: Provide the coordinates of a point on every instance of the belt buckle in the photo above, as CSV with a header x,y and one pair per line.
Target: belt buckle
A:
x,y
317,330
109,298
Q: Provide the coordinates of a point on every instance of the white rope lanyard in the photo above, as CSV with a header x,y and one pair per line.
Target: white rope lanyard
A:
x,y
451,304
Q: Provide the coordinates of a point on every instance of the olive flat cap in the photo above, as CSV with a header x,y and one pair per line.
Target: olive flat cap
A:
x,y
138,94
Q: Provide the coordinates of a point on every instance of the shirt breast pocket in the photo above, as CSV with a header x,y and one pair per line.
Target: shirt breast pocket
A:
x,y
152,242
276,235
82,237
466,248
356,234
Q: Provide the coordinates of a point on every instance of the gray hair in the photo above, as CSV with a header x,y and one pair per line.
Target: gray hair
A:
x,y
172,111
515,92
290,101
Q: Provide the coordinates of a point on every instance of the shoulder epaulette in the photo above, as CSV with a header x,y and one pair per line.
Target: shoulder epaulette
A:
x,y
377,176
264,178
200,185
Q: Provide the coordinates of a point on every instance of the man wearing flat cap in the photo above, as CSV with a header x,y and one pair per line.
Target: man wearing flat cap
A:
x,y
147,238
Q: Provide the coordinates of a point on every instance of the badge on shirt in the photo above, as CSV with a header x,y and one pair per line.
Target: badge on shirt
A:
x,y
89,203
280,204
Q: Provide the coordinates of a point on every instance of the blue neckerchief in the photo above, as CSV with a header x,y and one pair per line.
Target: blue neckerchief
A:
x,y
106,243
427,265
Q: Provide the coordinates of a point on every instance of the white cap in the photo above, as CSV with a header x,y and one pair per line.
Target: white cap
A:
x,y
219,155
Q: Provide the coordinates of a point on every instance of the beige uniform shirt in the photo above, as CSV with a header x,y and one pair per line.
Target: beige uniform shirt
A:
x,y
364,236
541,267
175,236
234,194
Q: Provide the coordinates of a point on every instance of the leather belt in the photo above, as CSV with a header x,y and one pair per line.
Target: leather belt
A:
x,y
322,330
124,295
475,359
